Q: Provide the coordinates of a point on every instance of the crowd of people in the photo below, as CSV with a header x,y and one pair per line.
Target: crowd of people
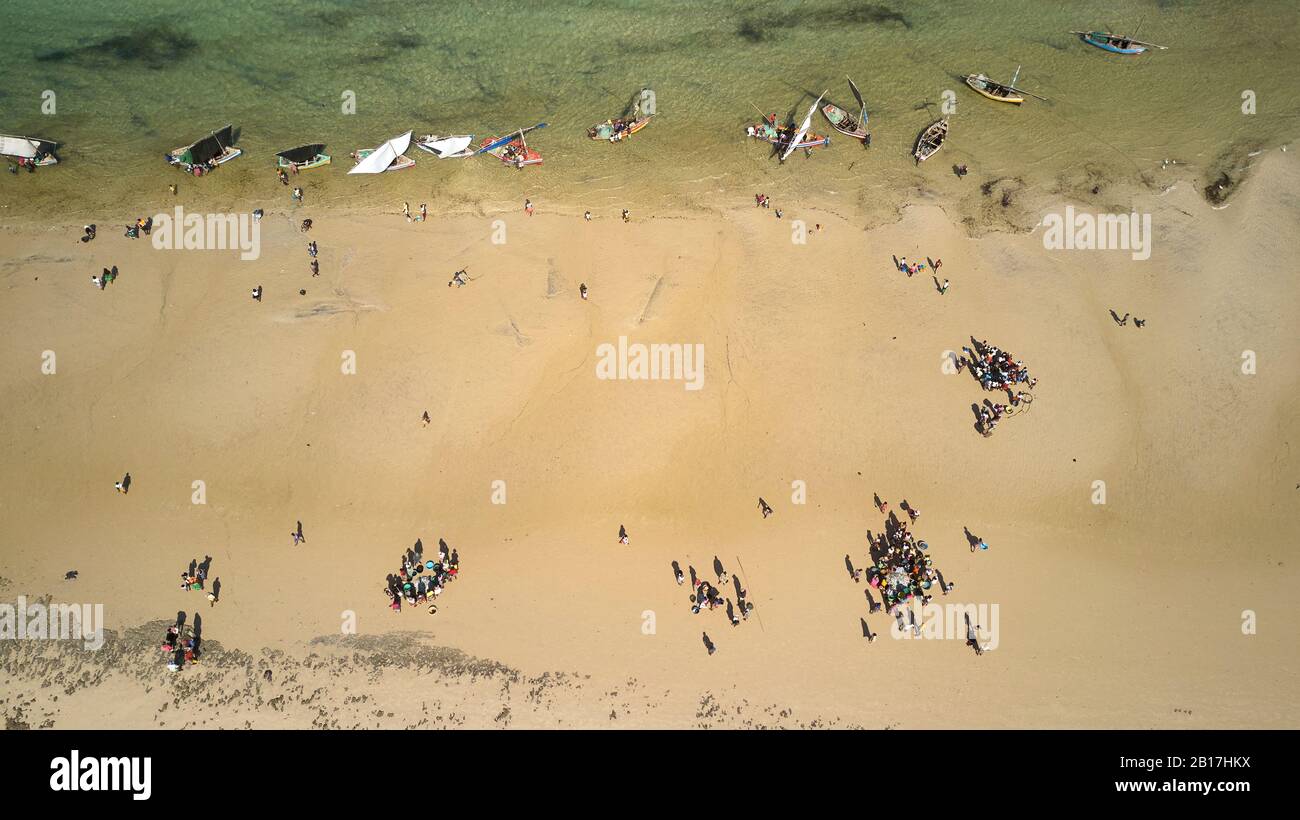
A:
x,y
181,645
419,581
996,370
142,226
901,569
709,596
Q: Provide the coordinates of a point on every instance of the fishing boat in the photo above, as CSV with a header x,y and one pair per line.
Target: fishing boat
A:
x,y
637,116
931,140
846,123
303,157
391,156
204,155
999,92
29,150
1115,43
779,135
456,147
513,149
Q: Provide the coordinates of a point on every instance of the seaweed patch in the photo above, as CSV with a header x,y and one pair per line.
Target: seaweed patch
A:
x,y
155,47
758,29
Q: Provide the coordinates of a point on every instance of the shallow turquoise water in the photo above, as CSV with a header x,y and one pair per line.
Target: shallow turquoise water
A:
x,y
134,79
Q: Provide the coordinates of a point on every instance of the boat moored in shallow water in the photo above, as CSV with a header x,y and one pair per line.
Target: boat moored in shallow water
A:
x,y
303,157
931,140
29,151
390,156
204,155
455,147
846,123
1115,43
637,116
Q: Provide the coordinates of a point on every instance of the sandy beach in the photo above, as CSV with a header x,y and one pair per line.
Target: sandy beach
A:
x,y
824,380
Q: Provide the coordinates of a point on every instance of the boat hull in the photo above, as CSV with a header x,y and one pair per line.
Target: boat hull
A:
x,y
809,140
517,158
930,141
595,131
975,85
1102,42
836,116
318,161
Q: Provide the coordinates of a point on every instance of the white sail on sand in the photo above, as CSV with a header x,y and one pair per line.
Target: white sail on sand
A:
x,y
383,156
807,123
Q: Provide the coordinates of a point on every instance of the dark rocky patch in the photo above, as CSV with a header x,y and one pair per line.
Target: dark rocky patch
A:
x,y
759,29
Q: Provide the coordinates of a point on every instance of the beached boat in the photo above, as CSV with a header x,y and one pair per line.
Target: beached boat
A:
x,y
456,147
303,157
1115,43
846,123
931,140
390,156
29,150
779,135
513,149
204,155
637,116
999,92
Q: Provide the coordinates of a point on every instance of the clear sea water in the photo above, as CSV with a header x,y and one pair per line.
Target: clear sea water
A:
x,y
134,79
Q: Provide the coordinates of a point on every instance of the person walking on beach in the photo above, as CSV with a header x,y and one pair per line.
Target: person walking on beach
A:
x,y
582,290
528,207
425,419
1139,322
257,293
315,267
586,215
943,288
708,644
424,212
406,211
297,195
677,573
627,215
622,534
458,278
765,507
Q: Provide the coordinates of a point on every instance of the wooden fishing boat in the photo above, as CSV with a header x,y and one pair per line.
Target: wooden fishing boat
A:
x,y
780,135
993,90
616,130
29,150
515,152
1115,43
513,149
454,147
206,154
304,157
846,123
931,140
391,156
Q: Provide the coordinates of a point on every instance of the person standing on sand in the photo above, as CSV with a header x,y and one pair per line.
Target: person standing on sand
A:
x,y
586,215
582,291
943,288
315,267
424,212
406,211
765,507
622,534
708,644
627,215
424,419
528,207
257,293
297,195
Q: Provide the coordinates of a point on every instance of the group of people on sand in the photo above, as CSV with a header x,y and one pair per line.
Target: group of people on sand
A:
x,y
900,569
183,648
710,596
108,277
419,581
143,225
996,369
195,578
